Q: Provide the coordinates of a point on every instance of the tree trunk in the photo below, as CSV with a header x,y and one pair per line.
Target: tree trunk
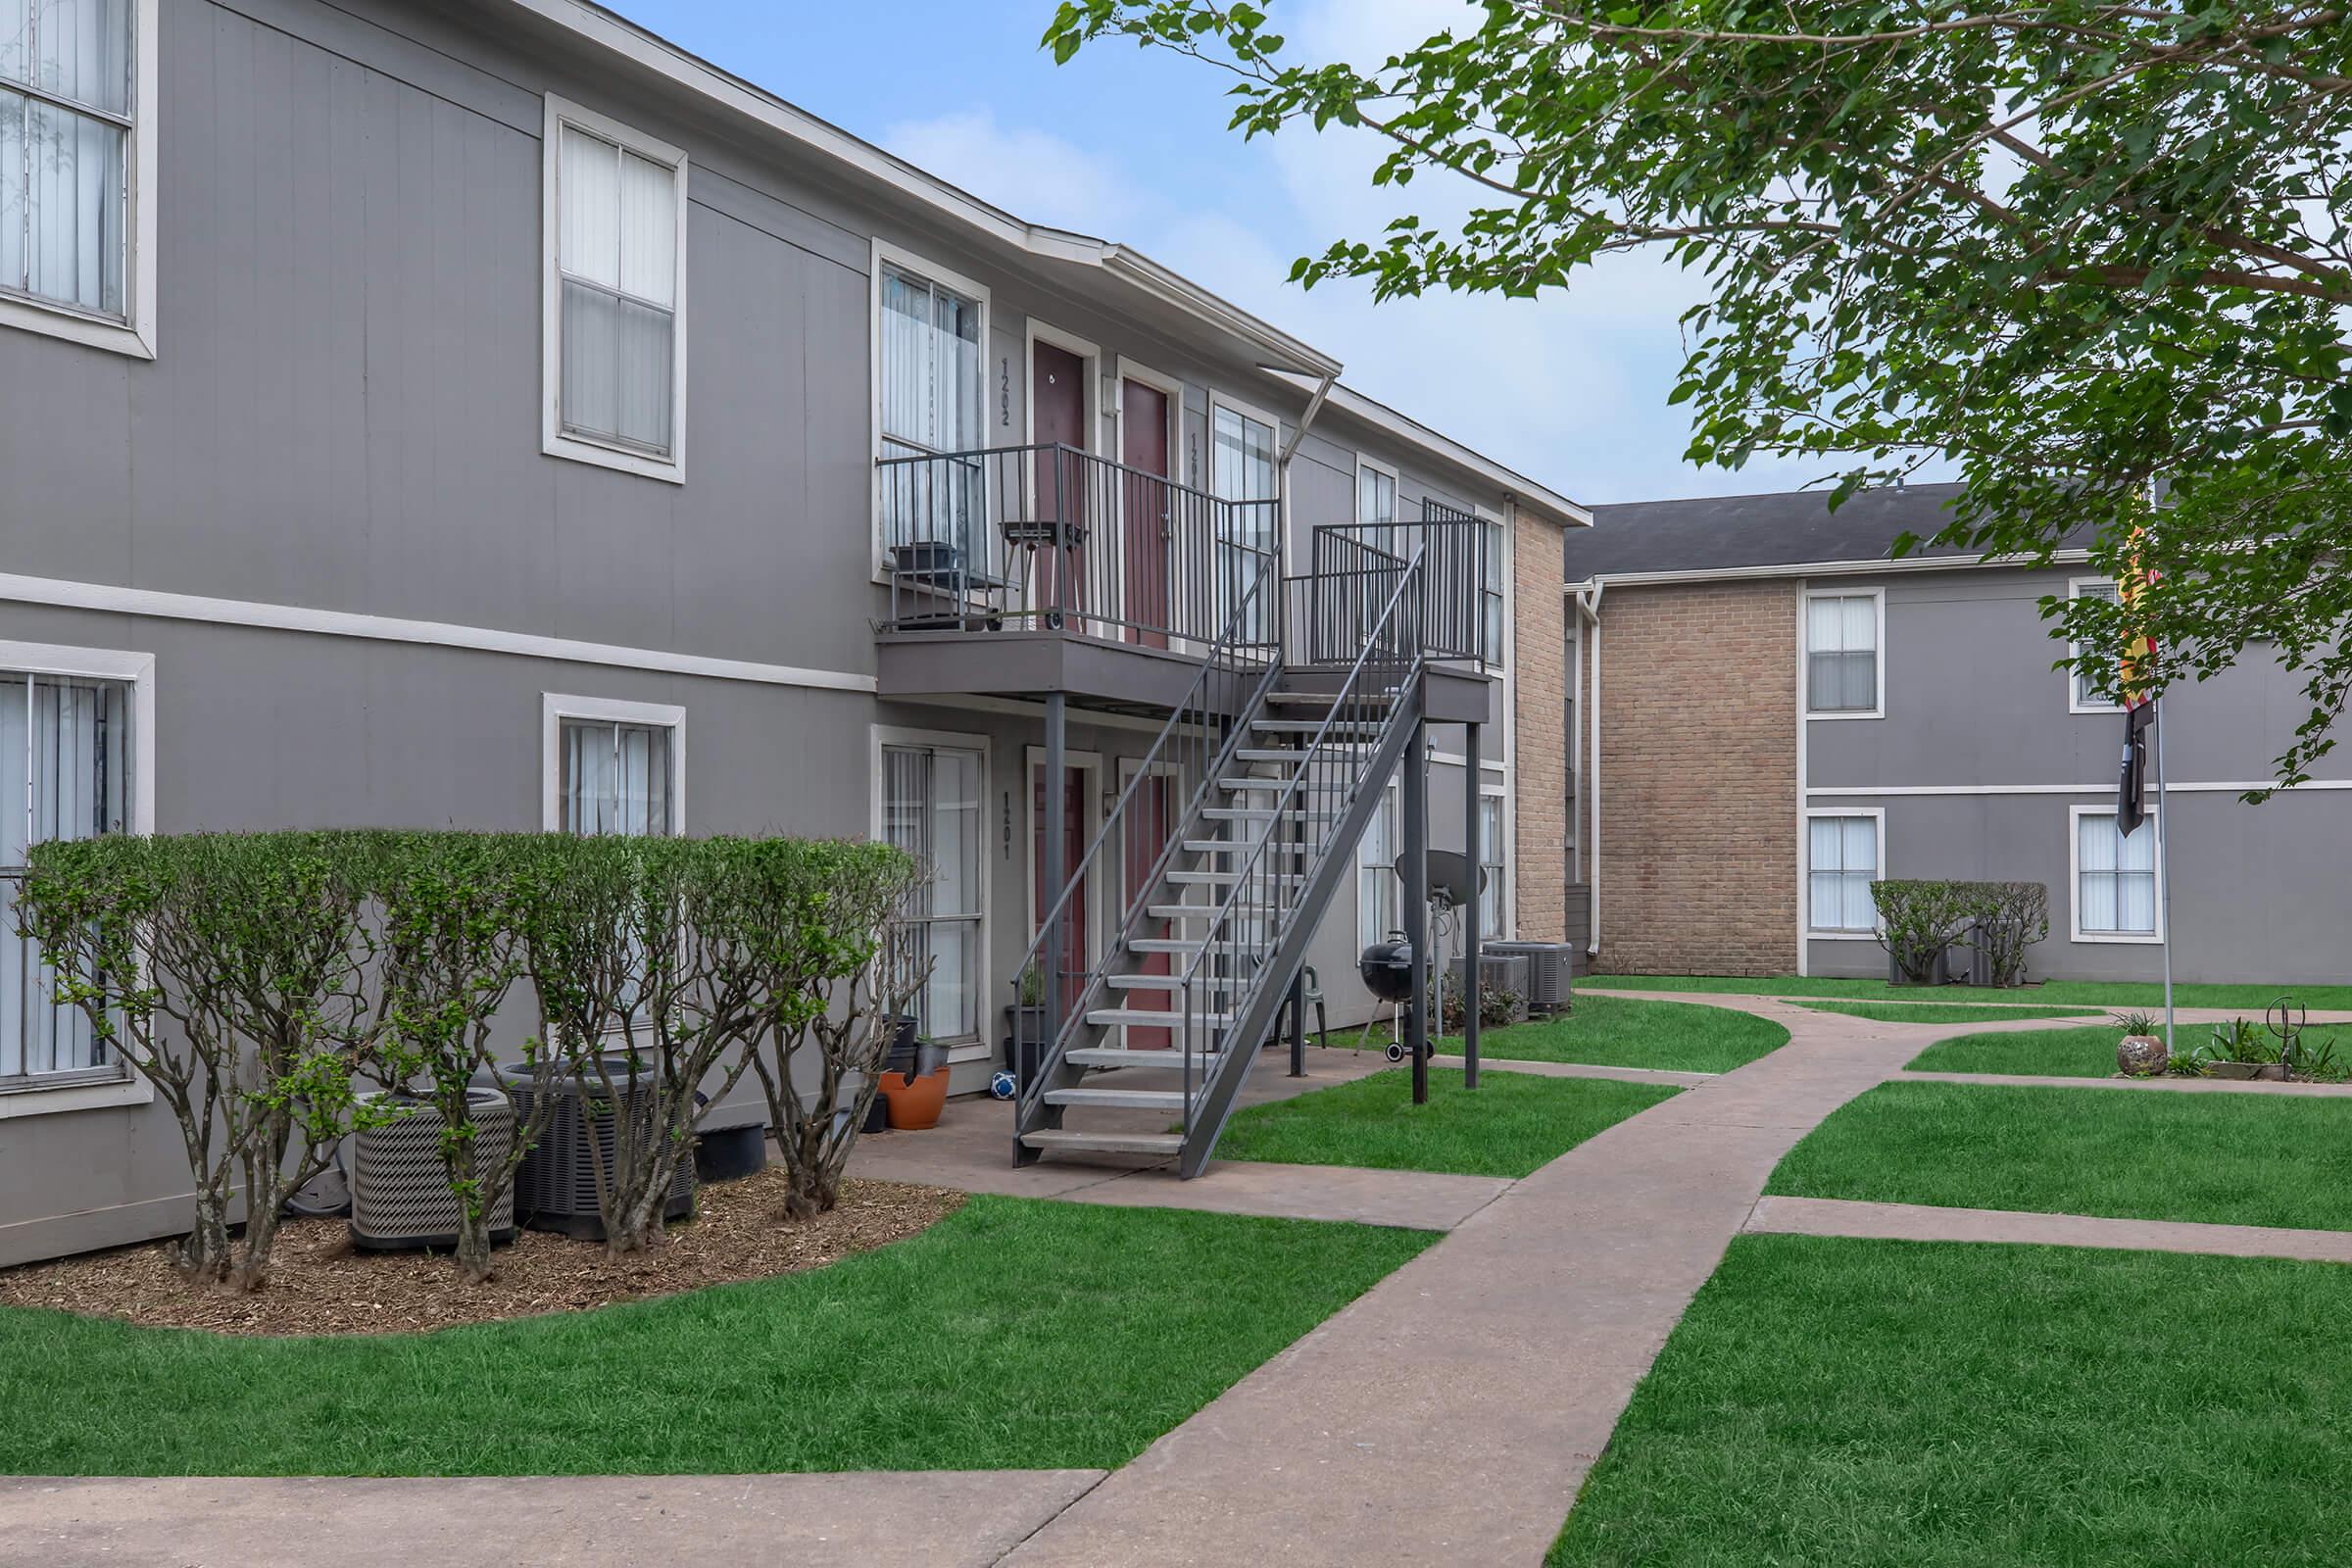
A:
x,y
204,1252
476,1266
811,1188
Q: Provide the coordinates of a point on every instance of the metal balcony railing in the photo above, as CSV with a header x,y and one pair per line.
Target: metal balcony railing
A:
x,y
1049,537
1458,589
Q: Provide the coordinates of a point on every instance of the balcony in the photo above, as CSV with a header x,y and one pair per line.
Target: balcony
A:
x,y
1022,571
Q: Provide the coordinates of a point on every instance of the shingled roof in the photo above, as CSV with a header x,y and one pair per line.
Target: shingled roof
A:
x,y
1719,533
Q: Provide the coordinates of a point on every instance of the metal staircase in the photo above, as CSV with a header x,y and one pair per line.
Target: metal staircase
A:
x,y
1234,835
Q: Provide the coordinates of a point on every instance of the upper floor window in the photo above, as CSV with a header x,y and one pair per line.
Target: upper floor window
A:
x,y
64,773
1376,505
1241,470
1842,677
616,240
1493,558
2086,697
2116,892
932,396
76,163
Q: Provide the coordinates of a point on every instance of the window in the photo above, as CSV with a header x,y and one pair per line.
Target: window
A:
x,y
1376,505
612,767
615,239
2115,880
1490,587
1491,860
76,163
1379,907
2086,697
931,804
1841,860
1242,468
1842,654
64,773
932,401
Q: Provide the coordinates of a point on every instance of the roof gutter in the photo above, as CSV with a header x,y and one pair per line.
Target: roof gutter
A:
x,y
1832,569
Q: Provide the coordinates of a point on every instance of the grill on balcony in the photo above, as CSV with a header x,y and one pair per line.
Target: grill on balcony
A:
x,y
1053,538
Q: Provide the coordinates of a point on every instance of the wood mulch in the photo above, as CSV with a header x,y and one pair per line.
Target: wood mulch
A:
x,y
319,1284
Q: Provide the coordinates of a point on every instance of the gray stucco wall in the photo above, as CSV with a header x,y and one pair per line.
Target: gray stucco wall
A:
x,y
343,415
1978,762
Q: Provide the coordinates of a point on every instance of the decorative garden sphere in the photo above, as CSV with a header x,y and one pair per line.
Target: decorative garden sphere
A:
x,y
2142,1057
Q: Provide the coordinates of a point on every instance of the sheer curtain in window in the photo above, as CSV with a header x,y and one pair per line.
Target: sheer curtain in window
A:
x,y
64,137
1490,861
617,777
1378,910
2086,694
1242,468
932,402
2115,877
931,809
618,250
1376,508
64,766
1841,640
1842,861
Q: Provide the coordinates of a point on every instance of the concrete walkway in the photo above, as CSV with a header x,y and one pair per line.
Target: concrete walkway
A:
x,y
1450,1414
936,1519
1915,1222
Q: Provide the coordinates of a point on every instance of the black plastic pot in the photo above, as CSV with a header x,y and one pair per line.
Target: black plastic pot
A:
x,y
727,1154
905,1046
1024,1040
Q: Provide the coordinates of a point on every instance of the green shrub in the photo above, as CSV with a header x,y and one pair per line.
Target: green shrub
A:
x,y
2007,919
1917,921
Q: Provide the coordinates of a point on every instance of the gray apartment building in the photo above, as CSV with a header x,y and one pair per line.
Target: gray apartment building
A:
x,y
486,414
1772,713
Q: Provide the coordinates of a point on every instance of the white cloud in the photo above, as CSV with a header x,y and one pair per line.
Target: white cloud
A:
x,y
1034,174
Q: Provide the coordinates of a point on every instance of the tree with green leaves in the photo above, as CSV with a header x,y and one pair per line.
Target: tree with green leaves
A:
x,y
2094,257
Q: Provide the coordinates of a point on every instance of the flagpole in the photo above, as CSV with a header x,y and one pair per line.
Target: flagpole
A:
x,y
2164,878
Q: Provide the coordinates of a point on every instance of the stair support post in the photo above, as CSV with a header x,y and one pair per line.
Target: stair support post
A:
x,y
1416,904
1472,778
1055,872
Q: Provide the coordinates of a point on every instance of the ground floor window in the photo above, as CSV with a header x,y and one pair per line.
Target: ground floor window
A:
x,y
1378,905
2115,877
617,777
64,773
931,808
1841,862
1490,902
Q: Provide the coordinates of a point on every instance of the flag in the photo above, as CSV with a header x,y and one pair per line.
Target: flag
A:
x,y
2140,707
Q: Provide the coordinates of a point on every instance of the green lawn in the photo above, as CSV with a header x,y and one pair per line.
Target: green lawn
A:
x,y
2071,992
1945,1012
1625,1032
1978,1406
1512,1123
2237,1159
1014,1334
2081,1053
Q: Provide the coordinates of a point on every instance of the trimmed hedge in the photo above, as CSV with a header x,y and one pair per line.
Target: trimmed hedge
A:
x,y
1918,919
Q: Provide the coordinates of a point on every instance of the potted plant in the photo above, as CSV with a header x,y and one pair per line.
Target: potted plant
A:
x,y
2239,1051
2141,1052
916,1098
1025,1023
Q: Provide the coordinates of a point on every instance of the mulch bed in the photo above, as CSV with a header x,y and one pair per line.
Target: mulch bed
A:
x,y
319,1284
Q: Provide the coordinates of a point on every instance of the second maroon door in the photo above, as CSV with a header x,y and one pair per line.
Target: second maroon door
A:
x,y
1149,511
1058,422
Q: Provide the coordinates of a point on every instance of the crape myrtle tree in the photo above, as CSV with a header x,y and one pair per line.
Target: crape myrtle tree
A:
x,y
228,970
2094,257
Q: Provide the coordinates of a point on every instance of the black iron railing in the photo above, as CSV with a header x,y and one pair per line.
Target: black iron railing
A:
x,y
1049,537
1459,585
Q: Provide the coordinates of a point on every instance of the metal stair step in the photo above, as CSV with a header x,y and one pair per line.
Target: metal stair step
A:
x,y
1325,699
1169,982
1201,912
1255,786
1228,878
1310,727
1152,1018
1168,1059
1160,944
1170,1099
1050,1138
1263,813
1292,753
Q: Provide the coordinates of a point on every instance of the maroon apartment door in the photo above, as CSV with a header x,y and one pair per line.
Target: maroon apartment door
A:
x,y
1143,449
1057,417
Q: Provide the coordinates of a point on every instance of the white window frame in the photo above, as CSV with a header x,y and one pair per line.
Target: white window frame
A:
x,y
1804,881
984,978
1804,646
137,670
2073,883
884,253
1498,790
2073,685
1392,799
1366,464
1499,659
1208,479
554,440
133,334
554,708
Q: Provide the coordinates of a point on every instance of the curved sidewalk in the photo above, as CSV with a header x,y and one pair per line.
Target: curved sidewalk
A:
x,y
1450,1414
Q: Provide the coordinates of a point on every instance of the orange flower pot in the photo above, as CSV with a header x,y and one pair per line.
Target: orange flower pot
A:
x,y
914,1104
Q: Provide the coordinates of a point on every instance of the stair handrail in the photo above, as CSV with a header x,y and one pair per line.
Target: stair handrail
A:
x,y
1222,656
1412,662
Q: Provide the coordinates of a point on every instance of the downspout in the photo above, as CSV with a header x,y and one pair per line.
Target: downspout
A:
x,y
1587,607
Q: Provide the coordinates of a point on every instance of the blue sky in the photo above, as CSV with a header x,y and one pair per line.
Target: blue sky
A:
x,y
1131,145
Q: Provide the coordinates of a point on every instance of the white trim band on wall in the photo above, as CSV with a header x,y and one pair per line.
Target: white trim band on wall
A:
x,y
66,595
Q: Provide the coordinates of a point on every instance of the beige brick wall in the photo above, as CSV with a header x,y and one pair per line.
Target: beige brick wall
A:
x,y
1698,862
1540,740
